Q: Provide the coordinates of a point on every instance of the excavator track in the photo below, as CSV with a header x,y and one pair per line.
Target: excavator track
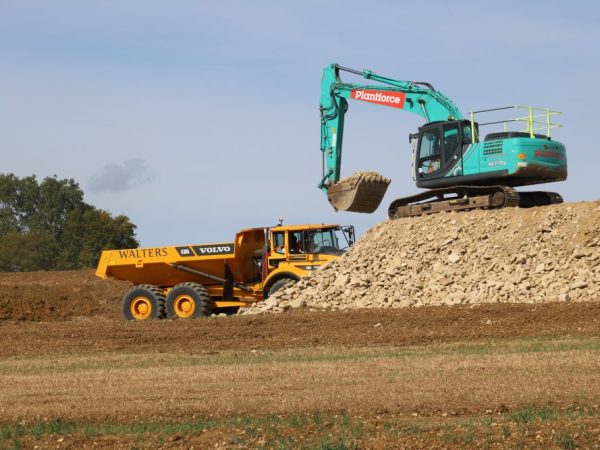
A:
x,y
458,198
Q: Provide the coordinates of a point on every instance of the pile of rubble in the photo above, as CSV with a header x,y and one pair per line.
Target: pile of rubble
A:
x,y
372,177
536,255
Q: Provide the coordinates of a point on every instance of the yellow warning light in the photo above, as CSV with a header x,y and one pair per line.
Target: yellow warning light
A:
x,y
521,155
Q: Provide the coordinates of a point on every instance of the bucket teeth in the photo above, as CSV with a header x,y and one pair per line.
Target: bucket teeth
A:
x,y
361,192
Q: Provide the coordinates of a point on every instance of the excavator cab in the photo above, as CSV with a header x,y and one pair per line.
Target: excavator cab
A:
x,y
440,149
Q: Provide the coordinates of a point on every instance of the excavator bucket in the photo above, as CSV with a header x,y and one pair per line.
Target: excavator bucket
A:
x,y
361,192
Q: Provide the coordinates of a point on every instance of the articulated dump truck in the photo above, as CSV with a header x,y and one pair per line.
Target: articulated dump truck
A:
x,y
191,281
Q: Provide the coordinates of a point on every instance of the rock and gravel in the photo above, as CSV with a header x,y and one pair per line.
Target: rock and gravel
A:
x,y
513,255
372,177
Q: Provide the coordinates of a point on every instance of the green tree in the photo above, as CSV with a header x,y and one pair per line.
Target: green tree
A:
x,y
46,225
10,217
54,200
23,252
31,206
87,231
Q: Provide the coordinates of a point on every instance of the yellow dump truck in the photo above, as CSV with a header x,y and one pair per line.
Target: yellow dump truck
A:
x,y
191,281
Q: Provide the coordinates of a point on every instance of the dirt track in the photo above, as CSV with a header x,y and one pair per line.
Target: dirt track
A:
x,y
58,312
299,329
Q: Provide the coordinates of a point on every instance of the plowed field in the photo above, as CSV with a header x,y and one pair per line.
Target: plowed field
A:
x,y
57,296
73,373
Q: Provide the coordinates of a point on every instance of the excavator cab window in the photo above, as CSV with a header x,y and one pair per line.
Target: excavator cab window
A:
x,y
430,152
451,143
440,147
467,135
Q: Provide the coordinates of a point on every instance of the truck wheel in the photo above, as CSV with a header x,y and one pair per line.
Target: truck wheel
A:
x,y
279,284
189,301
144,302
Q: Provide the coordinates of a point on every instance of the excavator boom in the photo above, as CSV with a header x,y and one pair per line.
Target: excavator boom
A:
x,y
364,191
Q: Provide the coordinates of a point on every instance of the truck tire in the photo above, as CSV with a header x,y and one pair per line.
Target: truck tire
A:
x,y
280,284
144,302
189,301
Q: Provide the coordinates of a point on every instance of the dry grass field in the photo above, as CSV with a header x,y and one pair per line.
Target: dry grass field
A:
x,y
499,376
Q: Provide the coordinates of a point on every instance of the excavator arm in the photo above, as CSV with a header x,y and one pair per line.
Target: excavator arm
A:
x,y
363,193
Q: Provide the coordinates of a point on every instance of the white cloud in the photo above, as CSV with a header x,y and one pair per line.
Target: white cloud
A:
x,y
121,177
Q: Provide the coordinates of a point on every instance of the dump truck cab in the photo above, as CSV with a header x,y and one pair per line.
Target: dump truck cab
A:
x,y
188,281
296,250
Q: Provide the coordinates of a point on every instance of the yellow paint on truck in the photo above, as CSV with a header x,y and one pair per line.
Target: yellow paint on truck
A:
x,y
192,280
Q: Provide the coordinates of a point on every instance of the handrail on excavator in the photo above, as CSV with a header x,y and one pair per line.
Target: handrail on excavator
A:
x,y
531,124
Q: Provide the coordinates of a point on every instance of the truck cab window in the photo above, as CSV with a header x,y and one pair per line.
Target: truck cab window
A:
x,y
297,244
279,242
324,241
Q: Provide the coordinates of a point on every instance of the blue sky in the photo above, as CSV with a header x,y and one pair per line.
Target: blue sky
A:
x,y
196,119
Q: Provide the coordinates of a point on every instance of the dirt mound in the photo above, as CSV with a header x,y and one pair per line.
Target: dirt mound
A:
x,y
55,296
497,256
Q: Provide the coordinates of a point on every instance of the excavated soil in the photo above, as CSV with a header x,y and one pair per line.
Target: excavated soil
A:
x,y
58,296
512,255
374,177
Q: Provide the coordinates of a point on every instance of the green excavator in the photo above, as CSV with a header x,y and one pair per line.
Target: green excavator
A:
x,y
458,168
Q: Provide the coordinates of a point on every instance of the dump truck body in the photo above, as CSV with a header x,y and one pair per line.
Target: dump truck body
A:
x,y
229,274
162,266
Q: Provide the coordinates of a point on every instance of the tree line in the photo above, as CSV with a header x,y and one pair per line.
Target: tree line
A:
x,y
46,225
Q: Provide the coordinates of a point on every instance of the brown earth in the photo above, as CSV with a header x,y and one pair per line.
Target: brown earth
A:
x,y
301,329
491,376
58,296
